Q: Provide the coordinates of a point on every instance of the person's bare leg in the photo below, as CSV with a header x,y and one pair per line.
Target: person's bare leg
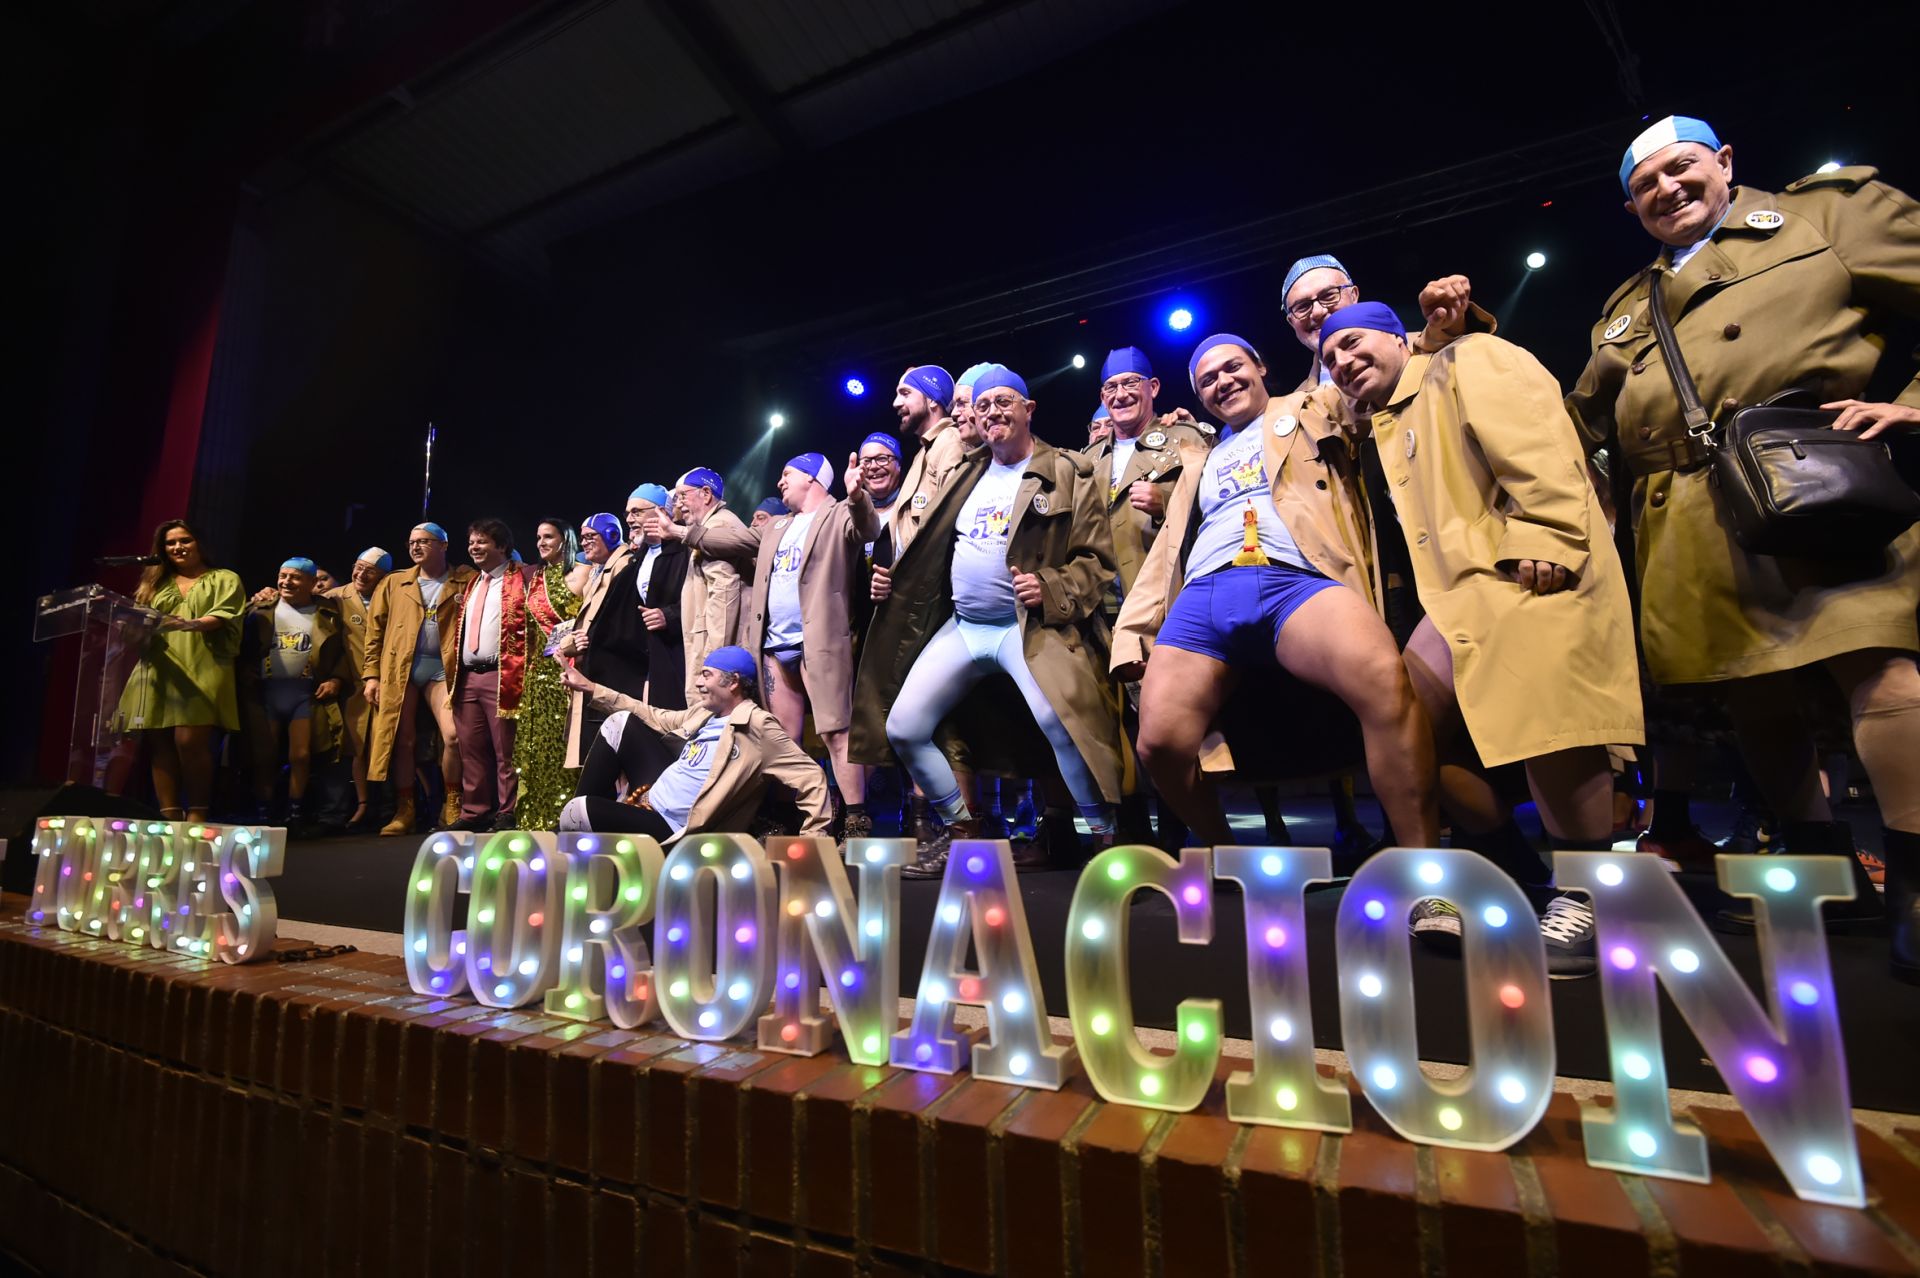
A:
x,y
195,747
1180,695
1777,745
357,752
1470,800
1335,641
1574,792
1883,693
166,771
442,706
851,776
786,699
299,758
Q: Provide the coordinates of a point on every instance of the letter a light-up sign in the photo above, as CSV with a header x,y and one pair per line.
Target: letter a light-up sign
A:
x,y
819,926
1785,1065
1019,1049
1099,1001
1503,1095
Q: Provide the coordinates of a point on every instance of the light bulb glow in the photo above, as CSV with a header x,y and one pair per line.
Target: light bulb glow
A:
x,y
824,909
1192,894
678,989
1101,1024
1014,1002
1431,873
1180,319
1512,1090
1513,997
709,1018
679,873
1196,1032
1117,871
1271,865
737,991
1375,910
1093,929
1610,874
1384,1078
1622,957
1635,1065
1287,1099
1450,1118
1018,1065
741,869
950,915
1149,1085
1280,1029
1276,937
875,928
1494,916
1761,1069
1079,361
1803,993
1370,985
1823,1169
1781,879
1536,260
1642,1143
744,934
1684,960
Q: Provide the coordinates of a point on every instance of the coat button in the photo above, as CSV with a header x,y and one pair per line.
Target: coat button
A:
x,y
1713,275
1646,432
1657,500
1319,483
1730,332
1421,540
1638,366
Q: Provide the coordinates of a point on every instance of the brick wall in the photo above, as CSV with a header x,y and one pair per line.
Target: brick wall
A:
x,y
167,1116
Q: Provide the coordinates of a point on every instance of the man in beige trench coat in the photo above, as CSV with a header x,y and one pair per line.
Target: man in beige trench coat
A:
x,y
1527,645
1766,292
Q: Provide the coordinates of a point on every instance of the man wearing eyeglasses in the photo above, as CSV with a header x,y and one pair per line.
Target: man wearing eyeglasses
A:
x,y
1317,286
1006,577
1138,464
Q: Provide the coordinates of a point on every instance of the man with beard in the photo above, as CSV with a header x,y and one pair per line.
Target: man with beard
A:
x,y
922,402
1007,576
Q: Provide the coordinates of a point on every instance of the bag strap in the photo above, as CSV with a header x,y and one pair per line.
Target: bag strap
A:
x,y
1699,424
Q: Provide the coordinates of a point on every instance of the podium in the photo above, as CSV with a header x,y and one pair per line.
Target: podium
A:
x,y
113,631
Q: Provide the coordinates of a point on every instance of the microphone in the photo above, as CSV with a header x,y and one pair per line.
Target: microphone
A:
x,y
127,561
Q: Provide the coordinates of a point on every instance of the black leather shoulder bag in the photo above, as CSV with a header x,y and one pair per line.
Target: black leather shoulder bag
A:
x,y
1791,484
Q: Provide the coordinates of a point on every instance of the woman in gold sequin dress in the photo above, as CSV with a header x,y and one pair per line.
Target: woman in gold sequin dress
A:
x,y
540,744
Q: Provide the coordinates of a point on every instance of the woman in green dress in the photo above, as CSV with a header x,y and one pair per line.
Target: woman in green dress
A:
x,y
183,688
540,741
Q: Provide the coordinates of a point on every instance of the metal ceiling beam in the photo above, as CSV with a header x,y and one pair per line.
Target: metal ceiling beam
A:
x,y
725,66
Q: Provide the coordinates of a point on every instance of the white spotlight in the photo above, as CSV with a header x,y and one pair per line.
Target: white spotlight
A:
x,y
1829,167
776,420
1079,361
1536,260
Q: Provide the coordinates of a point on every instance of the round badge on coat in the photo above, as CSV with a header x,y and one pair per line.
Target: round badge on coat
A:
x,y
1765,220
1040,504
1617,327
1284,425
1409,445
1158,439
919,501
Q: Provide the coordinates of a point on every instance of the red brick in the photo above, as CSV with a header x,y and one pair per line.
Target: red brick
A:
x,y
964,1224
718,1248
616,1235
828,1192
1893,1183
529,1088
1480,1221
663,1241
667,1158
486,1217
760,1256
1379,1224
1112,1193
617,1100
380,1190
1033,1170
1189,1170
413,1206
569,1229
1597,1233
447,1214
716,1099
1280,1223
1838,1240
774,1165
341,1242
894,1129
526,1240
818,1261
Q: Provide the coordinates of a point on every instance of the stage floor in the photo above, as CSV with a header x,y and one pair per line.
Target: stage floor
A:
x,y
362,883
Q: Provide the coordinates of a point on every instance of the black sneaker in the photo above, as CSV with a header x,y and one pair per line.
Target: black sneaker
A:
x,y
859,824
1436,925
1055,846
1566,928
1752,832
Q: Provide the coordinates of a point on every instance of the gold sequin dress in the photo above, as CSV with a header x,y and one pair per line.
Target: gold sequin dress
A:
x,y
540,739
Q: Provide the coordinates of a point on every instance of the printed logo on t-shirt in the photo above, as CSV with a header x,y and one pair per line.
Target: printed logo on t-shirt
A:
x,y
990,523
787,559
695,753
298,641
1237,476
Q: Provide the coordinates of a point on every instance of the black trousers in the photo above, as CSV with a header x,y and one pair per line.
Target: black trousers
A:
x,y
642,755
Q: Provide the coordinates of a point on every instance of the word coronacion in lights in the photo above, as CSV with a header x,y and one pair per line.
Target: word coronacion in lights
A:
x,y
744,938
190,888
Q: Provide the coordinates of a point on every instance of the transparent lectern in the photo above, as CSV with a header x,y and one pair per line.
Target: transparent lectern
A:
x,y
113,631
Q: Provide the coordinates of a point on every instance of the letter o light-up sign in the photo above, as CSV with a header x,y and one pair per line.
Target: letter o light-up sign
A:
x,y
712,984
1507,1089
1098,1000
1785,1065
513,918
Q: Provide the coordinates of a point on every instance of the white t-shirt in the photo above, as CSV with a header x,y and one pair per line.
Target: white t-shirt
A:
x,y
783,588
292,640
1234,478
430,588
646,571
982,582
1122,457
674,792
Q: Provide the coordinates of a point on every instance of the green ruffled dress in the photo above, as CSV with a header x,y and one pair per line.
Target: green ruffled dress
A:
x,y
186,678
540,732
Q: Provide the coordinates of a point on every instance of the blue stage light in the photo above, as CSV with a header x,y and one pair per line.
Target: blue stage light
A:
x,y
1180,319
856,387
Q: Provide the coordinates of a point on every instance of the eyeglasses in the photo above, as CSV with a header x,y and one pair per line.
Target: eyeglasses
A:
x,y
1121,385
1325,299
881,462
422,541
1005,404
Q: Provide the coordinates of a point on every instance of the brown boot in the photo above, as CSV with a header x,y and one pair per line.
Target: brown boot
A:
x,y
402,822
932,862
450,810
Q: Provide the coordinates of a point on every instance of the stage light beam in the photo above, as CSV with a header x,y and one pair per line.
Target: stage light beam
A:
x,y
1536,260
1831,166
856,387
1079,361
1180,319
776,420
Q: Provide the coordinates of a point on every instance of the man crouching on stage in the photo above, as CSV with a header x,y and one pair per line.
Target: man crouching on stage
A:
x,y
1006,575
690,771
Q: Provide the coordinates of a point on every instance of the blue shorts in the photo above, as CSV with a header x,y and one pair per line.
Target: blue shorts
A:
x,y
1234,615
427,669
287,699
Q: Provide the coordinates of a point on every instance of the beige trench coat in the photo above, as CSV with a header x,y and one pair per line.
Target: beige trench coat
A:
x,y
1794,289
393,632
710,602
832,562
596,594
1485,469
1156,457
751,751
356,714
932,465
1058,533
